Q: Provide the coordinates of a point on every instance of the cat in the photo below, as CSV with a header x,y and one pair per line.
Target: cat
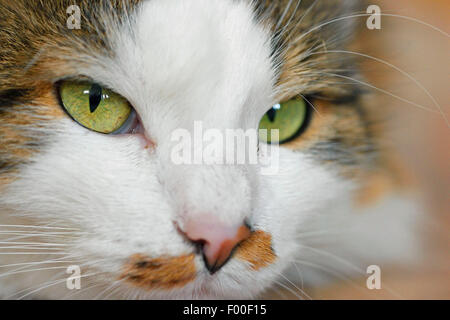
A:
x,y
87,188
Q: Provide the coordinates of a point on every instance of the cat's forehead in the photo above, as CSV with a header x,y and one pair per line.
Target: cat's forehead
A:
x,y
209,37
201,54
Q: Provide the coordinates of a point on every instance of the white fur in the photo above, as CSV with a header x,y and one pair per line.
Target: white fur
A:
x,y
182,61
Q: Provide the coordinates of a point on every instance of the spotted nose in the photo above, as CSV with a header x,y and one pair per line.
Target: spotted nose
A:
x,y
217,240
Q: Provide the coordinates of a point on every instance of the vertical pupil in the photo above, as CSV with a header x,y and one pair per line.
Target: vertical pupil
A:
x,y
95,97
271,114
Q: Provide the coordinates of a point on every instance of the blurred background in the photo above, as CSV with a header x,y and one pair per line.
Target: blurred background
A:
x,y
422,138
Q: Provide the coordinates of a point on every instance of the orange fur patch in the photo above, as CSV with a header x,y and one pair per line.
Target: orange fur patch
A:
x,y
48,102
160,273
175,272
257,250
17,142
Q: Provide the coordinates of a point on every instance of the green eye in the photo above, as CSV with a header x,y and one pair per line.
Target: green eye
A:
x,y
288,117
93,106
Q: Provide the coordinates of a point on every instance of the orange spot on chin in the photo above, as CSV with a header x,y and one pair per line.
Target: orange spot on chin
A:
x,y
223,254
160,273
257,250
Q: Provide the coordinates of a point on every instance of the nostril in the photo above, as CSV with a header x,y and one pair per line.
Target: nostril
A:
x,y
217,241
199,244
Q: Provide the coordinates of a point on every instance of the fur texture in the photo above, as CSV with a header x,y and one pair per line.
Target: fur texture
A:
x,y
219,61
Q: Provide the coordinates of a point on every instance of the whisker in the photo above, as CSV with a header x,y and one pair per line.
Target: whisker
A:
x,y
41,237
394,67
35,263
342,261
35,243
112,286
366,15
280,293
289,289
32,253
307,11
29,235
329,271
311,105
29,248
31,270
295,286
25,265
291,17
300,274
383,91
114,291
328,254
35,232
71,295
52,284
36,227
283,15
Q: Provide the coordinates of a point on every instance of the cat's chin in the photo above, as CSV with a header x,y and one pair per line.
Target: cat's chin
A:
x,y
194,295
202,289
192,292
110,291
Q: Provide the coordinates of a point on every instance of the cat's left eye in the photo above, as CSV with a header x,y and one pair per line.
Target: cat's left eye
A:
x,y
95,107
289,118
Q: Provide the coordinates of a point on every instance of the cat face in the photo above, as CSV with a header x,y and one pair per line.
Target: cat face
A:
x,y
135,222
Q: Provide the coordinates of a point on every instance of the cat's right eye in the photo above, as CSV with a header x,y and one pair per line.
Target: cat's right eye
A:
x,y
95,107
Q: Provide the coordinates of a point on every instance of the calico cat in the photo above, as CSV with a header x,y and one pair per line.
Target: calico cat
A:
x,y
86,175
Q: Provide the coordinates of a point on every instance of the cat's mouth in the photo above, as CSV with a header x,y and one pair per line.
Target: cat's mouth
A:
x,y
167,273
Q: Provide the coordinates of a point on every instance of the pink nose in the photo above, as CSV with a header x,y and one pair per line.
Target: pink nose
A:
x,y
217,239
